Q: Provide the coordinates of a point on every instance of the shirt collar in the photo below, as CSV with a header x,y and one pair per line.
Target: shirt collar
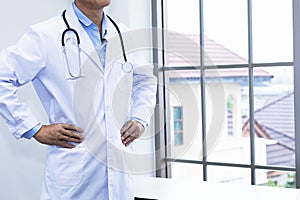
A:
x,y
87,22
104,26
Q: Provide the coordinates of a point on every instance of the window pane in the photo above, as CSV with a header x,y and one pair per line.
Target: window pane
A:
x,y
177,112
182,49
226,108
225,30
177,126
178,139
183,91
274,117
272,31
182,38
183,17
229,175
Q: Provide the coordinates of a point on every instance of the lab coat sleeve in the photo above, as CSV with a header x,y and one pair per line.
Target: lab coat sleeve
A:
x,y
19,65
144,89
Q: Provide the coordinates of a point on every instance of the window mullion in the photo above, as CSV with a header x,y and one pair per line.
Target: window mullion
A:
x,y
251,93
296,43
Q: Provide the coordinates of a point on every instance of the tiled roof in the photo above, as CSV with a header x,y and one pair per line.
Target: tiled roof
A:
x,y
222,73
184,50
278,115
279,155
277,120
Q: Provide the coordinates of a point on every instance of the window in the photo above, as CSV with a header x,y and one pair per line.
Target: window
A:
x,y
230,105
178,125
236,60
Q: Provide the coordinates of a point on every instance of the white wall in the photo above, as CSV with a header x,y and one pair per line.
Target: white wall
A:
x,y
22,161
133,13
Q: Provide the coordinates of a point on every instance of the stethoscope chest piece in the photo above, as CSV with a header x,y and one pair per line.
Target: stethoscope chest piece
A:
x,y
127,67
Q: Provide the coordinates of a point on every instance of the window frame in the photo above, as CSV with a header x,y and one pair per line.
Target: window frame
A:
x,y
163,161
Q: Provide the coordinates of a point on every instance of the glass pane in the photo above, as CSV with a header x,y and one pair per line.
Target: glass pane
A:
x,y
276,178
225,30
183,17
187,171
272,31
178,139
229,175
182,35
274,116
227,106
183,90
182,49
177,113
177,126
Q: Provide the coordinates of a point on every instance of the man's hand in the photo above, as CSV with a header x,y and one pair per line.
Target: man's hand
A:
x,y
131,131
59,134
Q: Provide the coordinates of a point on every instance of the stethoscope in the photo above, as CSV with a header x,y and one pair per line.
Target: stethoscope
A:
x,y
126,66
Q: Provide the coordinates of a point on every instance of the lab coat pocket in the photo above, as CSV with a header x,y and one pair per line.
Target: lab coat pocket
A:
x,y
65,167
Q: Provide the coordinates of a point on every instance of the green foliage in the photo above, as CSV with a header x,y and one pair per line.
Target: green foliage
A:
x,y
290,182
273,183
230,102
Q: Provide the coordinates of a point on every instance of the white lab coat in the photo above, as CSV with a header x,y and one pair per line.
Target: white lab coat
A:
x,y
96,169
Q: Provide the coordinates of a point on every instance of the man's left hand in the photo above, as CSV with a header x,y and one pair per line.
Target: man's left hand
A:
x,y
131,131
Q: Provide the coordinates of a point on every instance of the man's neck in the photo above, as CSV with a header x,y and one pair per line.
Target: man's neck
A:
x,y
95,15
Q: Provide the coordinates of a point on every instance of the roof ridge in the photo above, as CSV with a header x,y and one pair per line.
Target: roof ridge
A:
x,y
278,132
217,43
285,146
275,101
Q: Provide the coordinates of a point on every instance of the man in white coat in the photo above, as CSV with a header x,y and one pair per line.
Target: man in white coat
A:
x,y
95,112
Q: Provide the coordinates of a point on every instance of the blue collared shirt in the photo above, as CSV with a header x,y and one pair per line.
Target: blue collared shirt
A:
x,y
92,30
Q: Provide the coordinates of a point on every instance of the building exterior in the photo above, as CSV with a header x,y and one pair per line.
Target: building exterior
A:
x,y
274,122
225,90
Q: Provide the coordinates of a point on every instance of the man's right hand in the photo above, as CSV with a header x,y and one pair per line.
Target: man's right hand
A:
x,y
59,135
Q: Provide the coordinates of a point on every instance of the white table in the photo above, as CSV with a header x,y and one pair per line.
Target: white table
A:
x,y
168,189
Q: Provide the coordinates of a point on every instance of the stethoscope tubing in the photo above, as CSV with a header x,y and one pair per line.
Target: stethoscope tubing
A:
x,y
69,29
120,36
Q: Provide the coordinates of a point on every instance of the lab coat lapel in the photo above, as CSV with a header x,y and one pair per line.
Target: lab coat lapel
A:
x,y
85,42
114,49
